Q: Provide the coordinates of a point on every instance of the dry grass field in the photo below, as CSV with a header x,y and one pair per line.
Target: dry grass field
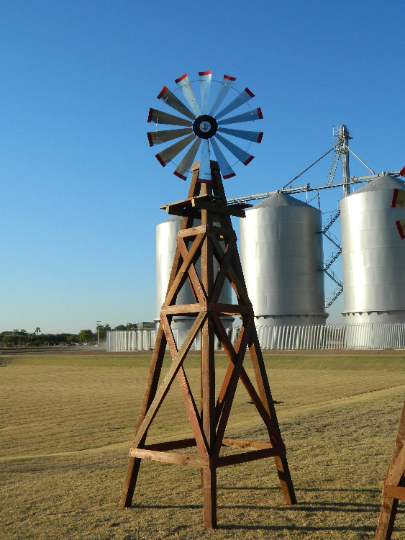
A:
x,y
67,421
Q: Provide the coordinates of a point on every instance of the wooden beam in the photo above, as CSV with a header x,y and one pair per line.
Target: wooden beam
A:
x,y
243,445
171,445
188,203
230,394
149,394
185,309
236,459
237,285
167,381
274,434
389,505
168,457
188,397
195,282
263,385
209,477
223,272
230,309
394,492
217,208
397,469
182,272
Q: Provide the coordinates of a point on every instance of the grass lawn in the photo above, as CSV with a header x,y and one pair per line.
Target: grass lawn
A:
x,y
67,421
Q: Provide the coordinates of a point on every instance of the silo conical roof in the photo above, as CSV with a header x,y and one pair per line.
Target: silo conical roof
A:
x,y
280,199
382,182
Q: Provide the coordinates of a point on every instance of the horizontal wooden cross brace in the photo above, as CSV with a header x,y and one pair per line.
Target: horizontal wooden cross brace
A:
x,y
394,491
157,452
191,309
206,202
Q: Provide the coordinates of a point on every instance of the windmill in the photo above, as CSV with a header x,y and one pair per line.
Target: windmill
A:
x,y
203,126
211,237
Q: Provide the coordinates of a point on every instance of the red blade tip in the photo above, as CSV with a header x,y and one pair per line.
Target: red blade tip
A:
x,y
260,137
248,160
160,160
402,172
180,175
181,78
162,92
201,73
251,94
150,115
228,78
259,112
150,139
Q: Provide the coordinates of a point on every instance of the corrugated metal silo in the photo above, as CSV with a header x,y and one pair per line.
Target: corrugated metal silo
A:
x,y
373,254
282,257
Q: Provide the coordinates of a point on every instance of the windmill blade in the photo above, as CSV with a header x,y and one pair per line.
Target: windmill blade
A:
x,y
402,172
247,135
255,114
224,167
170,99
240,154
244,97
401,228
398,198
163,118
158,137
204,174
186,89
169,153
184,167
205,87
226,85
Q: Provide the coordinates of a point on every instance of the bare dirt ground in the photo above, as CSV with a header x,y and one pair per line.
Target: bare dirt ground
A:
x,y
67,421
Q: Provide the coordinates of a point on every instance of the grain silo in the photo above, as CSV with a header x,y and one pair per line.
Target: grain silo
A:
x,y
373,254
166,234
282,258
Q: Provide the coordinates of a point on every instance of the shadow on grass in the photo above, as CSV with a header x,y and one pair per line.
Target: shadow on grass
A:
x,y
302,507
364,528
277,488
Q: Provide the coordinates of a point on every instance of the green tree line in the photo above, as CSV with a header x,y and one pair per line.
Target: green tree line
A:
x,y
22,338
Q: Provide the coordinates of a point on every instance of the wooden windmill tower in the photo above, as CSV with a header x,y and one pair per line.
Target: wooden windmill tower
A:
x,y
213,239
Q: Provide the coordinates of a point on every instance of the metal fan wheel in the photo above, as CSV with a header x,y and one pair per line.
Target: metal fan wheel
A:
x,y
202,127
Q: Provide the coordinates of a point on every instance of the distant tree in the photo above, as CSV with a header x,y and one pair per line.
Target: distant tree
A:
x,y
85,335
130,326
120,327
103,330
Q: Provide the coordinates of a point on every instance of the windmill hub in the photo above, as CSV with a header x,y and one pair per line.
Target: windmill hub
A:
x,y
205,126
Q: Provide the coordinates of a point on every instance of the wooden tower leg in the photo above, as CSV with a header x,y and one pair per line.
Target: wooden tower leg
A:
x,y
154,369
283,470
150,392
281,462
209,477
390,505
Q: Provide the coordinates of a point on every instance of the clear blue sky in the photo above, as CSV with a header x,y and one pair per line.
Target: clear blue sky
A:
x,y
80,187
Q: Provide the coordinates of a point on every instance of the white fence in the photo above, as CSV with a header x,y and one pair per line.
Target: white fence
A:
x,y
327,336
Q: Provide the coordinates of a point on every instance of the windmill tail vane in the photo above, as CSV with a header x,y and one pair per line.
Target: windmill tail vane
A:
x,y
202,126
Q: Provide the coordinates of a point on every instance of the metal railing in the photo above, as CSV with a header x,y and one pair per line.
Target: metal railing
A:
x,y
322,336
